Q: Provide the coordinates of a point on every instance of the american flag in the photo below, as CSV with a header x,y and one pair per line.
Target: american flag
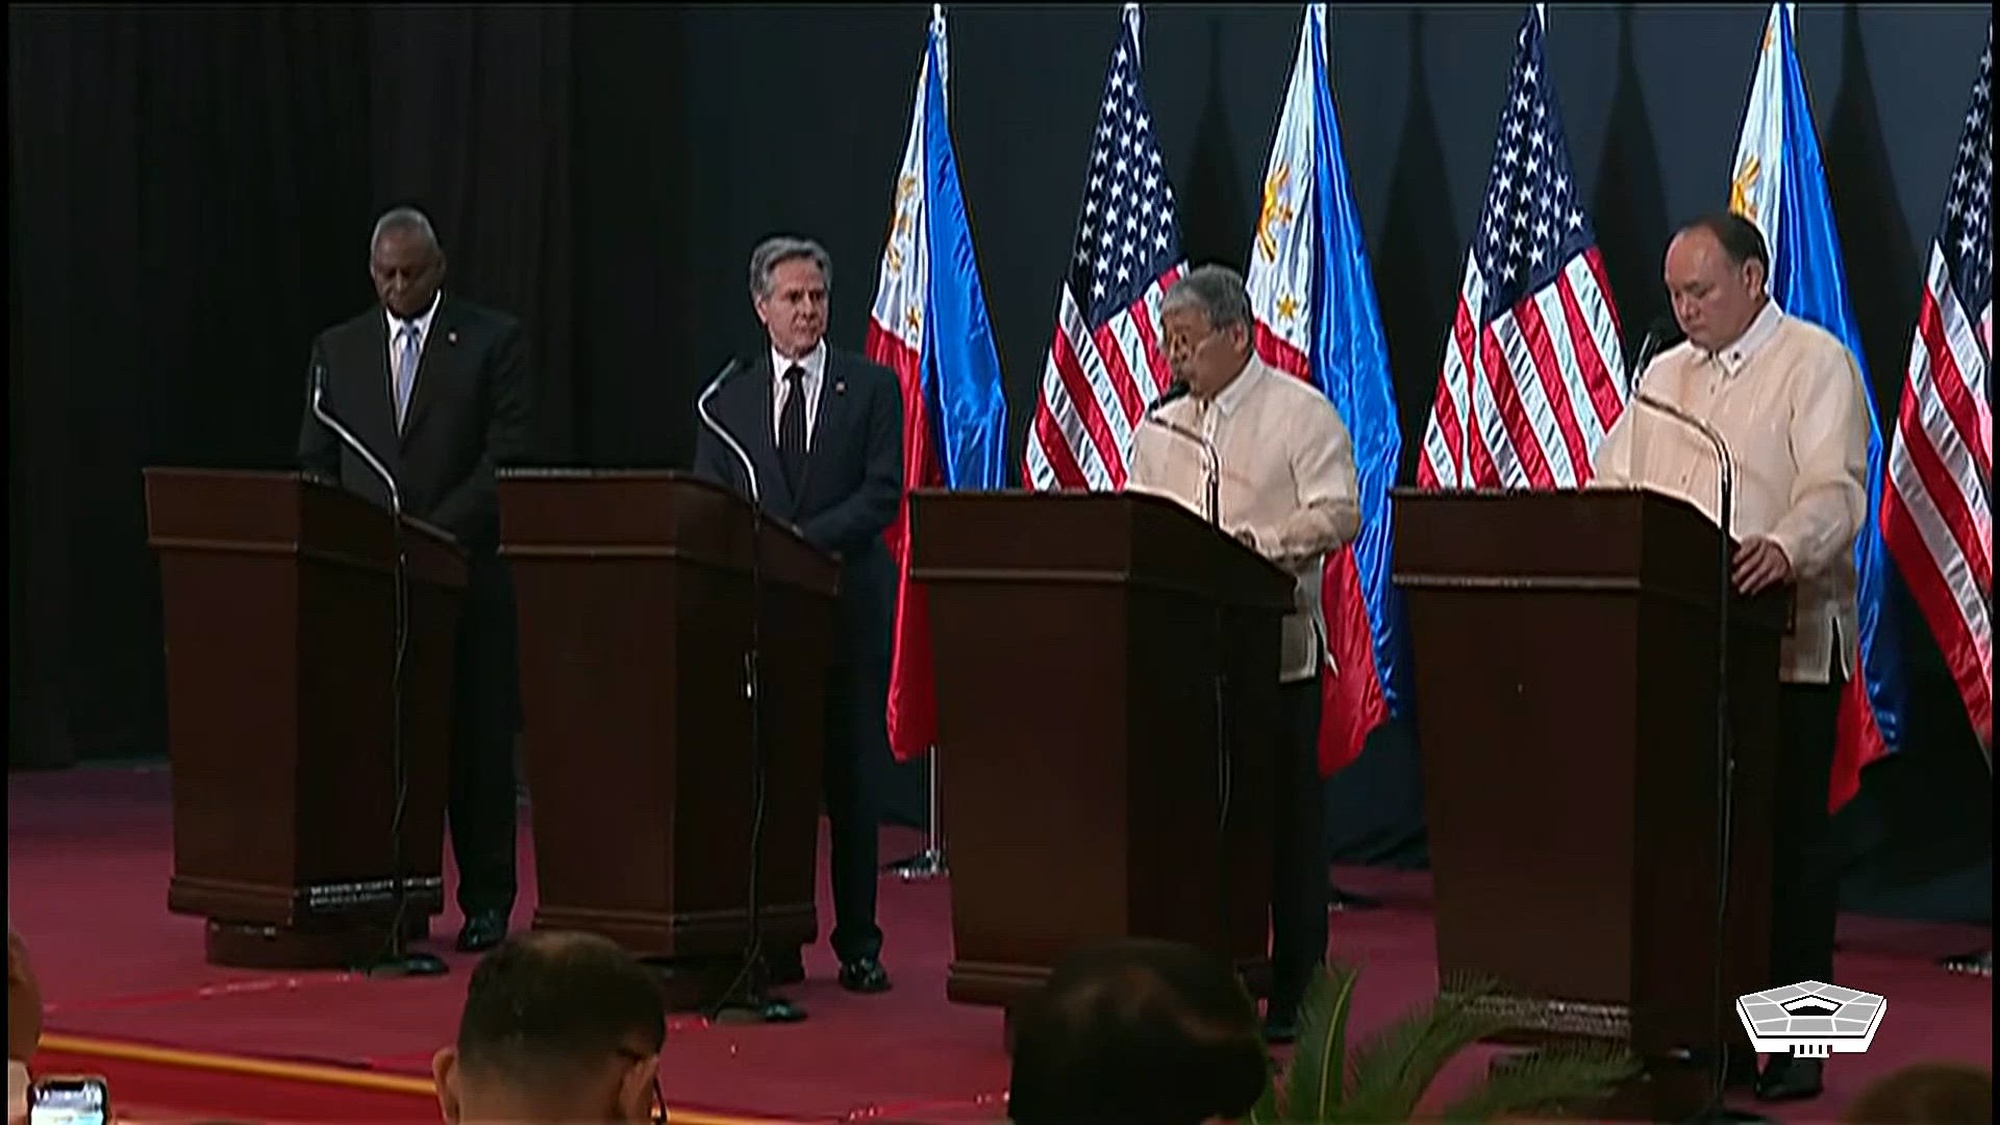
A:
x,y
1937,512
1531,373
1105,365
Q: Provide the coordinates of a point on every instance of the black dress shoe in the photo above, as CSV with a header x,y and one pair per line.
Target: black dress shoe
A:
x,y
1788,1078
483,930
864,974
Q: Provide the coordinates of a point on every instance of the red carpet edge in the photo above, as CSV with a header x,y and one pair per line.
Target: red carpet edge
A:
x,y
75,1054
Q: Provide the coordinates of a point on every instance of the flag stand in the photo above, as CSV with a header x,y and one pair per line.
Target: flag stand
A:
x,y
928,863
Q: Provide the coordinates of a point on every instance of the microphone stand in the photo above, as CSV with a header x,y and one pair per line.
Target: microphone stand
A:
x,y
1725,753
395,960
1225,776
928,863
745,1000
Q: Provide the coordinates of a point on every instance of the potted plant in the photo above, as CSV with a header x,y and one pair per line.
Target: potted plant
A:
x,y
1385,1077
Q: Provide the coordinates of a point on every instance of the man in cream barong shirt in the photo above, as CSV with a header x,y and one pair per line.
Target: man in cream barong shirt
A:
x,y
1787,397
1288,490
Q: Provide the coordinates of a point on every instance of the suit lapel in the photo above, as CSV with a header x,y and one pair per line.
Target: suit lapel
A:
x,y
436,363
753,428
829,419
375,395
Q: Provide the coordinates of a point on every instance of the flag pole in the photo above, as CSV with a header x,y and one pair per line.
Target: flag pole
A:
x,y
929,863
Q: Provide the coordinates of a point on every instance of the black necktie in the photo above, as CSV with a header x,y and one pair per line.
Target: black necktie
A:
x,y
792,428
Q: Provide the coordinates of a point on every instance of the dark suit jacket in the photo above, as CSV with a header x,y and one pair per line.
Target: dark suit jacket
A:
x,y
852,485
468,414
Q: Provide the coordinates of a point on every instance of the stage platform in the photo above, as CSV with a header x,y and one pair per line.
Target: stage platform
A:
x,y
88,856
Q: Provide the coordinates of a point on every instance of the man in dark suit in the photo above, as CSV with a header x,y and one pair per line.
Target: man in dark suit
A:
x,y
825,431
437,388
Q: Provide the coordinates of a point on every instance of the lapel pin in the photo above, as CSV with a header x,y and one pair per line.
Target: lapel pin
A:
x,y
451,337
840,387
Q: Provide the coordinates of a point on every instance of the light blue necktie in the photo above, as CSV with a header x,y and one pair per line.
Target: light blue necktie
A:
x,y
406,372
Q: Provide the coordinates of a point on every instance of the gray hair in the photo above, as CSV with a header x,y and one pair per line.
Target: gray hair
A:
x,y
1215,290
409,220
773,251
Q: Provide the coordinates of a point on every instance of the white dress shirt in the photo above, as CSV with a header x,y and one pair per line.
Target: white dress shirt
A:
x,y
814,362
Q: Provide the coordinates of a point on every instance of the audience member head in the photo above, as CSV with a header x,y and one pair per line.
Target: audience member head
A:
x,y
24,1001
1925,1094
1716,269
1137,1033
1205,328
406,262
558,1027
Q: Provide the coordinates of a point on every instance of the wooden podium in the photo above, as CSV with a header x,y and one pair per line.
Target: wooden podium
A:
x,y
634,591
1077,640
279,607
1565,647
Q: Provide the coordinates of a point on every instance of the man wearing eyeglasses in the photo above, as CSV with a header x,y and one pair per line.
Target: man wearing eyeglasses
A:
x,y
1287,489
558,1028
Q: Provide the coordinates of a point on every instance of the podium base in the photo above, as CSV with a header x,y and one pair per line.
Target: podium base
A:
x,y
926,864
405,964
757,1008
324,944
1665,1089
1978,964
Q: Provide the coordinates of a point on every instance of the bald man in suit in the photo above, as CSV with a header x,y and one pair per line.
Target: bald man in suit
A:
x,y
437,388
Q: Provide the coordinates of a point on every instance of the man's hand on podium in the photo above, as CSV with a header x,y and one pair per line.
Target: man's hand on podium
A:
x,y
1760,565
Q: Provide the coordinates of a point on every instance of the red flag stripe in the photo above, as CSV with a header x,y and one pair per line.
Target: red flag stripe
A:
x,y
1921,458
1969,662
1595,318
1124,388
1948,390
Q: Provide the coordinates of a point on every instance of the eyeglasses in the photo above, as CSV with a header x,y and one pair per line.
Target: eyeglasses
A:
x,y
1175,346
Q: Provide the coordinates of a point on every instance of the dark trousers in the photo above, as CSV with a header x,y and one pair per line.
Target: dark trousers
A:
x,y
486,716
1805,891
1298,838
857,707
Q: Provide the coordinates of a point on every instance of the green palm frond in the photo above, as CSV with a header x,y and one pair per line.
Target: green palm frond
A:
x,y
1392,1070
1319,1061
1386,1077
1547,1081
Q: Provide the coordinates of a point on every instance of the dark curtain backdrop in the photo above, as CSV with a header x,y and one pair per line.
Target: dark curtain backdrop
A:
x,y
191,194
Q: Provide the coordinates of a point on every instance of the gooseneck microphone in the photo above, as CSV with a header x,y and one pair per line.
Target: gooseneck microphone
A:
x,y
395,960
746,996
1661,332
1725,742
1210,460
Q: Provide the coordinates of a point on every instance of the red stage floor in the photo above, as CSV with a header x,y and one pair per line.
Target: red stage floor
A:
x,y
89,859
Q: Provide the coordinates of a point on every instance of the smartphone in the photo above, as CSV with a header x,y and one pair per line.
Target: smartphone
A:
x,y
69,1101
